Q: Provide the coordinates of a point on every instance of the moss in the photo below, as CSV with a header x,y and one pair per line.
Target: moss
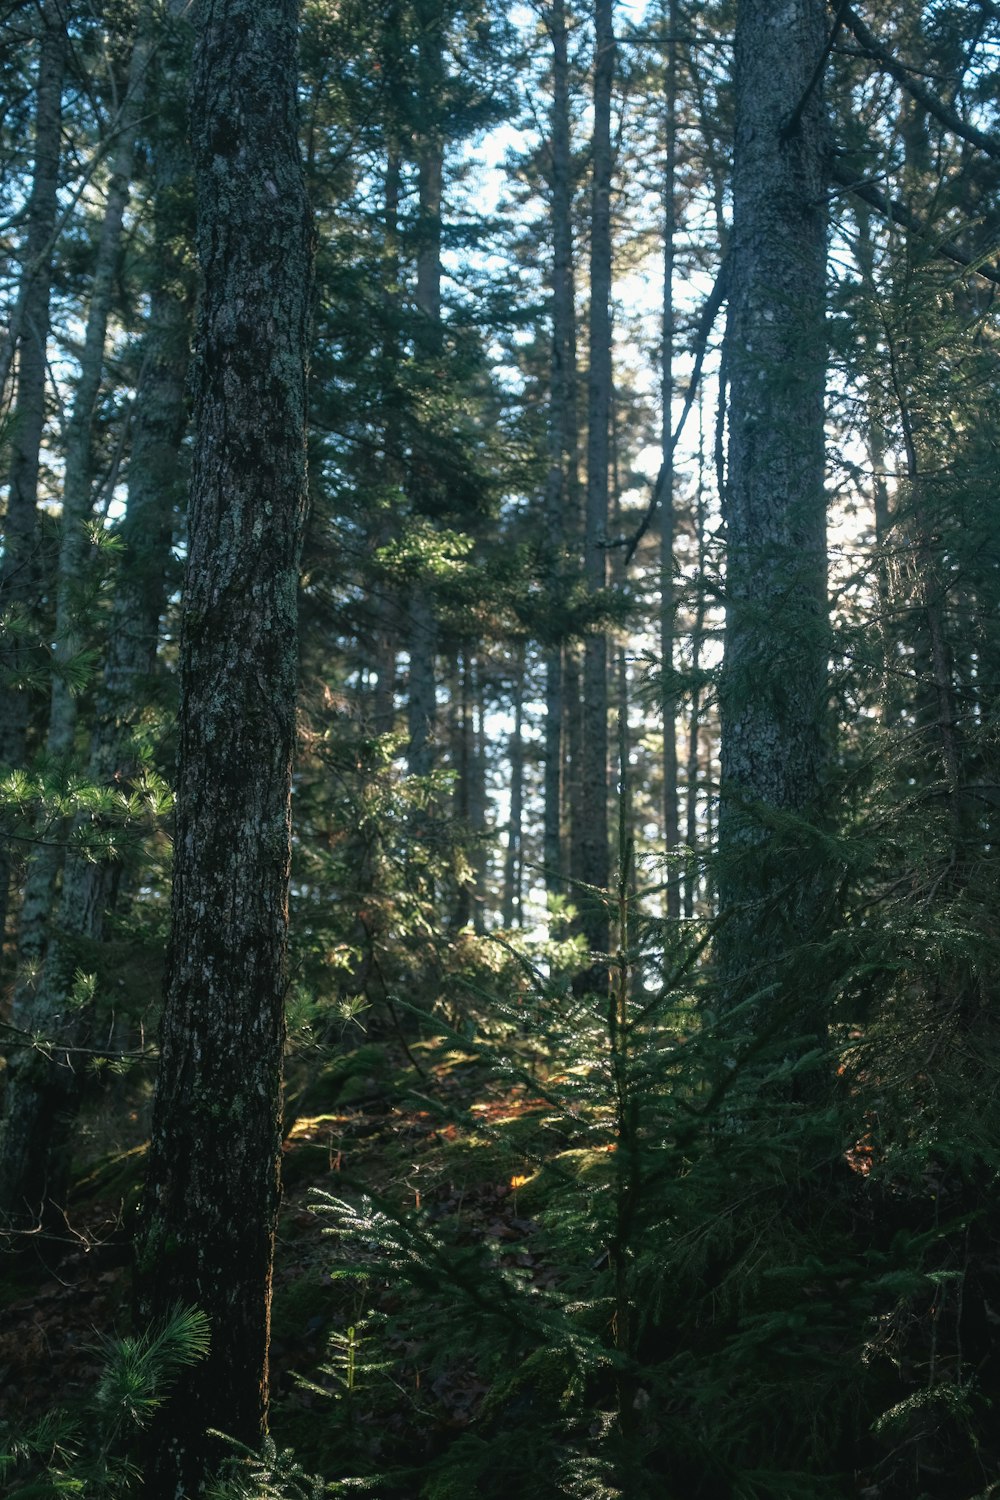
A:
x,y
541,1384
308,1300
568,1172
344,1080
458,1479
120,1174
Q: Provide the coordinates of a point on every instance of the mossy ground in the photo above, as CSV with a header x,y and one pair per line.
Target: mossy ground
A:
x,y
430,1135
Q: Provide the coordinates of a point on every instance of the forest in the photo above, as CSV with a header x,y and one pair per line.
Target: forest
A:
x,y
500,749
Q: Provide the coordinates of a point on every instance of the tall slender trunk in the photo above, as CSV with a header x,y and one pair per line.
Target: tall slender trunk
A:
x,y
212,1189
78,489
774,685
460,736
422,701
513,866
561,501
478,799
573,756
938,709
385,607
876,442
594,844
668,607
43,1095
19,568
693,770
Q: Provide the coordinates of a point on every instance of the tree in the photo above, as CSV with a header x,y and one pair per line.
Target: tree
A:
x,y
212,1187
594,841
43,1088
774,686
28,338
561,490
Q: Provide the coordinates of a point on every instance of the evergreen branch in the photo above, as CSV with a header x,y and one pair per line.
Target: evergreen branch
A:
x,y
31,1041
896,212
904,77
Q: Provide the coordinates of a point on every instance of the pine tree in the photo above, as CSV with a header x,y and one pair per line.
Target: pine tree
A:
x,y
774,690
212,1186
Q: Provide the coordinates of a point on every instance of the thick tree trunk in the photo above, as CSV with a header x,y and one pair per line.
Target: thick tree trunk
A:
x,y
774,686
212,1189
594,843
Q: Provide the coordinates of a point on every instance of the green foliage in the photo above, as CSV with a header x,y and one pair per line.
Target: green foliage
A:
x,y
138,1371
92,1451
751,1260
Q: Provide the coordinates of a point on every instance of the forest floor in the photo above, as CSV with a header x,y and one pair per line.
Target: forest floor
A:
x,y
361,1376
444,1320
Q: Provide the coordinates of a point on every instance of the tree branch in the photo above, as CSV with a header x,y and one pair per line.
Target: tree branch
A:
x,y
792,123
898,213
904,77
706,321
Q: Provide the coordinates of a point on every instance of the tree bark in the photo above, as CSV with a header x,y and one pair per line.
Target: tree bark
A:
x,y
561,500
19,581
42,1092
693,770
212,1189
385,607
423,633
774,685
512,911
594,844
668,607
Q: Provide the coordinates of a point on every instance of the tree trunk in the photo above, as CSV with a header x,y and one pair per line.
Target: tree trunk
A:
x,y
561,501
19,580
212,1190
478,801
513,867
693,772
668,608
594,846
43,1095
385,606
774,686
422,702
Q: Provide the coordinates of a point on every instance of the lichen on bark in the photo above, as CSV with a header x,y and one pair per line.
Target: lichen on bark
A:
x,y
774,685
212,1189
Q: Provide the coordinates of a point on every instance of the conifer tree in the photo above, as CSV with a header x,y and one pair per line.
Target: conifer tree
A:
x,y
42,1090
774,686
27,340
595,846
212,1186
45,1086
